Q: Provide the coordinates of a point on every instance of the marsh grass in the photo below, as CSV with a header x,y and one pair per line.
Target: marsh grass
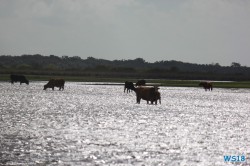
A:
x,y
160,82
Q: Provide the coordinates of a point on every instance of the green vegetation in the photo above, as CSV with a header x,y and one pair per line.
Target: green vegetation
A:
x,y
158,82
187,83
166,73
237,84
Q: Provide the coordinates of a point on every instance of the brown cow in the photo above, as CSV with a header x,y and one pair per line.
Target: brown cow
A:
x,y
156,96
140,83
206,85
148,93
55,83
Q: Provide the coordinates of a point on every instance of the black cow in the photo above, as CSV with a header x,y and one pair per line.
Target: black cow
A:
x,y
18,78
206,85
140,83
129,86
55,83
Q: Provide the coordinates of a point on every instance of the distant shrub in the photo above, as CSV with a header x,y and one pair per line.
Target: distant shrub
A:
x,y
24,67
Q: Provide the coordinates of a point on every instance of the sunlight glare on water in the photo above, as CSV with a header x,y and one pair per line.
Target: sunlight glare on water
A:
x,y
101,125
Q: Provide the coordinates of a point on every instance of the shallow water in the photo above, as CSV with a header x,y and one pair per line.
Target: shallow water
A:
x,y
101,125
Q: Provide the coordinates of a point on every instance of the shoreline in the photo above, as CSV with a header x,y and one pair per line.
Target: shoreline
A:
x,y
121,80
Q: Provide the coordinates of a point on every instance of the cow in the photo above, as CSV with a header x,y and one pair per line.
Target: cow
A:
x,y
206,85
140,83
18,78
156,96
148,93
55,83
129,86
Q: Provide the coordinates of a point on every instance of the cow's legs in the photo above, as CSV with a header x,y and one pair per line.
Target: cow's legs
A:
x,y
152,102
138,100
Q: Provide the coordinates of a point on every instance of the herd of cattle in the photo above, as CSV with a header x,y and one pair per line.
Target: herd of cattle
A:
x,y
148,93
51,84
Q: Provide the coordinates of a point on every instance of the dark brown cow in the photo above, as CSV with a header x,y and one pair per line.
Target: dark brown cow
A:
x,y
129,86
206,85
148,93
156,96
18,78
55,83
140,83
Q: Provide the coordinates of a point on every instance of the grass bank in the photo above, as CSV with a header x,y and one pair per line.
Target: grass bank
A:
x,y
161,82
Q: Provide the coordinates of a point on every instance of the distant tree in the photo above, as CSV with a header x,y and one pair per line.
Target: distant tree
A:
x,y
90,58
51,67
53,57
174,69
123,69
215,64
139,60
65,57
76,58
24,66
101,68
235,64
155,70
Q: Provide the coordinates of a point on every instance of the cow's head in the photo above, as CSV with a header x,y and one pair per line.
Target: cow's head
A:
x,y
45,87
156,88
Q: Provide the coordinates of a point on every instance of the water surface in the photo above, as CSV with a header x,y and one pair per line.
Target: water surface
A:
x,y
100,125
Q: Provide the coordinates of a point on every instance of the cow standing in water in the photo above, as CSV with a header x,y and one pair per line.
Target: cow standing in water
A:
x,y
55,83
129,86
18,78
206,85
148,93
140,83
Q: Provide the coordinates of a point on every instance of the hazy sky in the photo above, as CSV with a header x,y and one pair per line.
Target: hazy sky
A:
x,y
196,31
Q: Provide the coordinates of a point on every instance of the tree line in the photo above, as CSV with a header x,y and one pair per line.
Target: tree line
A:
x,y
65,65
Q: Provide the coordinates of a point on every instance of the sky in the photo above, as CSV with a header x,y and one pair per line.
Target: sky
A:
x,y
194,31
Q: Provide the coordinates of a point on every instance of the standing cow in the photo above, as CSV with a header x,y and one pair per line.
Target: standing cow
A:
x,y
18,78
149,94
156,96
140,83
55,83
206,85
129,86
